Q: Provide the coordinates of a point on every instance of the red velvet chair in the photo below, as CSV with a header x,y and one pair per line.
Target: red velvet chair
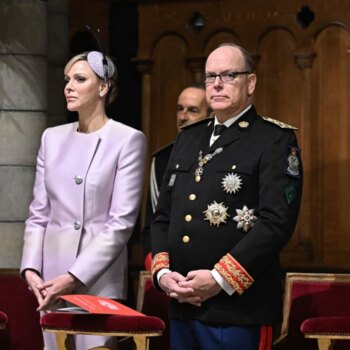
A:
x,y
3,320
327,330
138,327
154,302
142,329
313,295
3,323
23,329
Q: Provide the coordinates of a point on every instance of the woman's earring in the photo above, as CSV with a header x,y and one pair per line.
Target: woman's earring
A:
x,y
101,94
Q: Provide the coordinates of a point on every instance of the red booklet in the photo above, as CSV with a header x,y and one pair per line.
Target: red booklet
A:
x,y
97,305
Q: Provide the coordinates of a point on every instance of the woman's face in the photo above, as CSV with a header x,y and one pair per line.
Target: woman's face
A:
x,y
82,87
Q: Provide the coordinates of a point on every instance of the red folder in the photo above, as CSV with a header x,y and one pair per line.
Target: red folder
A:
x,y
99,305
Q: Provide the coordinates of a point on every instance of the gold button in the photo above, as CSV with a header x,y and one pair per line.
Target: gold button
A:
x,y
177,166
234,167
197,178
188,218
185,239
192,197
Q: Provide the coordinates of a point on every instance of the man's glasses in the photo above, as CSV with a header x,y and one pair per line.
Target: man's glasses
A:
x,y
225,77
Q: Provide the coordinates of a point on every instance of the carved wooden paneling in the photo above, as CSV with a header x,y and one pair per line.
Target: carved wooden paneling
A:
x,y
274,92
332,86
303,66
169,75
219,38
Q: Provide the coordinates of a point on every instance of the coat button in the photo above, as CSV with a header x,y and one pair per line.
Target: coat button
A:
x,y
77,225
185,239
177,166
188,218
192,197
78,179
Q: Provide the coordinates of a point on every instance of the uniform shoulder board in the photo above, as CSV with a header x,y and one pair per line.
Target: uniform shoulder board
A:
x,y
279,123
198,122
165,148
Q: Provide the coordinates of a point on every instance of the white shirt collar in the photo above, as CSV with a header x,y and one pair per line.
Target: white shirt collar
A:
x,y
227,123
230,121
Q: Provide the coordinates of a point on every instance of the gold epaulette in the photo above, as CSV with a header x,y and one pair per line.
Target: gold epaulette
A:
x,y
279,123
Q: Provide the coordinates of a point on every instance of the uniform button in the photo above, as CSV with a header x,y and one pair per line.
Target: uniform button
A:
x,y
234,167
78,179
77,225
192,197
177,166
185,239
188,218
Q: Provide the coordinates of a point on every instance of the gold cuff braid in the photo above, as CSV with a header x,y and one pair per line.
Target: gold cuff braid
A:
x,y
235,275
160,261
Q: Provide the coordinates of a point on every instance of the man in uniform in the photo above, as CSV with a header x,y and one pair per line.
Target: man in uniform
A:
x,y
228,205
191,107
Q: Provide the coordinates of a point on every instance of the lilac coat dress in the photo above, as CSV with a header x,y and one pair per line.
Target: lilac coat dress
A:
x,y
86,200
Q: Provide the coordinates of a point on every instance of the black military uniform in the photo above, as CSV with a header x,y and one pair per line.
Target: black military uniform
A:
x,y
160,160
232,206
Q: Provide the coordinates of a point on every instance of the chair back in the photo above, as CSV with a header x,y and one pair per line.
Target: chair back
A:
x,y
311,295
23,329
154,302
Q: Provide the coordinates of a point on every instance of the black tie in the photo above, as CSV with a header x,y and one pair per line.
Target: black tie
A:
x,y
218,129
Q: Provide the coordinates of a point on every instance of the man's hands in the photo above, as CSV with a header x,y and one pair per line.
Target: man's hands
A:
x,y
48,292
197,287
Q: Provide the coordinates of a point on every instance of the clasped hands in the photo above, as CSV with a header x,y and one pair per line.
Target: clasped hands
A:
x,y
47,293
195,288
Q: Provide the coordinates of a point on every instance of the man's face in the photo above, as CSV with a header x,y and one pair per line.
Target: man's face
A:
x,y
228,99
191,106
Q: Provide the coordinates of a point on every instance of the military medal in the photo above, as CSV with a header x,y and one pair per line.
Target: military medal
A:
x,y
231,183
245,218
216,213
202,161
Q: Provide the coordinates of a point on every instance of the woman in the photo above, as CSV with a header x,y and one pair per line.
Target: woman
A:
x,y
86,196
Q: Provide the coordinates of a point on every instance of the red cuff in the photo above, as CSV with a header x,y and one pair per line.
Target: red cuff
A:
x,y
160,261
235,275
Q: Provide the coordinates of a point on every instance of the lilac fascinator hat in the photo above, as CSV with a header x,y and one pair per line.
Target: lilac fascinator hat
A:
x,y
101,65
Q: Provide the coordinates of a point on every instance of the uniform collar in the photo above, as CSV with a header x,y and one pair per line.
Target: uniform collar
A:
x,y
239,126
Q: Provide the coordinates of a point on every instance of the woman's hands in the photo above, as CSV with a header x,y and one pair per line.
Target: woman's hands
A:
x,y
33,281
48,292
53,289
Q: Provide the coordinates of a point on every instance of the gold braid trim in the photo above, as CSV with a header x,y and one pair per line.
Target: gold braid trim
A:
x,y
279,123
235,275
160,261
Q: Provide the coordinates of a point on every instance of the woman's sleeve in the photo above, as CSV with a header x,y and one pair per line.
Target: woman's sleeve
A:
x,y
38,217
